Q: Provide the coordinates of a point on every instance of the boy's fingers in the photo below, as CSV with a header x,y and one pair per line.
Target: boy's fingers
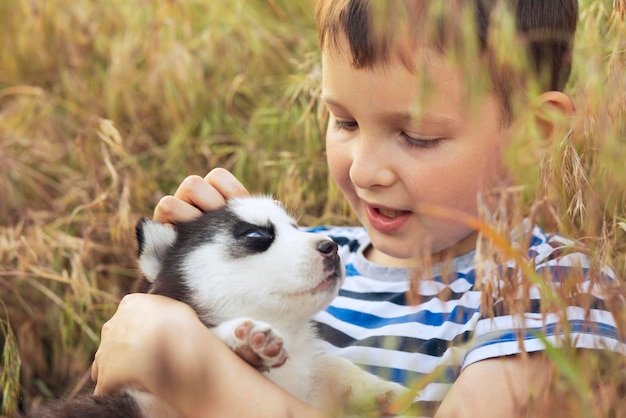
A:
x,y
99,389
104,385
196,195
226,183
200,193
94,371
172,210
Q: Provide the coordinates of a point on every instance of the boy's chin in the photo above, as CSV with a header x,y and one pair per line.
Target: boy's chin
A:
x,y
395,254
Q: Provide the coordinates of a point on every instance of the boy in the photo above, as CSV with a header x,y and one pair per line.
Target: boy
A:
x,y
404,135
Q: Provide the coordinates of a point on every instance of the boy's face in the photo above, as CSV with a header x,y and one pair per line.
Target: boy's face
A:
x,y
387,160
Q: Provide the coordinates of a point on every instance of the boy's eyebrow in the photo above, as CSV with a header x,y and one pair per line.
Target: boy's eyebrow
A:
x,y
427,118
330,101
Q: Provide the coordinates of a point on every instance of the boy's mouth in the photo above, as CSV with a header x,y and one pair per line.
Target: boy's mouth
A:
x,y
387,220
390,213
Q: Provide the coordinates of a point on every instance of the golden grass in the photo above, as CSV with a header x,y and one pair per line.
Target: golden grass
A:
x,y
105,106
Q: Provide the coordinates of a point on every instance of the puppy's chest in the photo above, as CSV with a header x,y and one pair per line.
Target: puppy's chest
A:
x,y
296,375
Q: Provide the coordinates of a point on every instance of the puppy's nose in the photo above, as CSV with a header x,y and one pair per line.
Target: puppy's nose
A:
x,y
327,247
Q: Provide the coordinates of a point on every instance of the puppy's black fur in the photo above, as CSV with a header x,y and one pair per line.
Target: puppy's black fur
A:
x,y
118,405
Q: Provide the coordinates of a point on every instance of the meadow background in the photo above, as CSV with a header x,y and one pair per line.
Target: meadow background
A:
x,y
105,106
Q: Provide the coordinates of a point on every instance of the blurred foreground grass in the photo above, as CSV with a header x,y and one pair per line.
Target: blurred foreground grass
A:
x,y
106,106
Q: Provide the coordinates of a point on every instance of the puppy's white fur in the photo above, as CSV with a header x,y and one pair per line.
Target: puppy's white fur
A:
x,y
257,270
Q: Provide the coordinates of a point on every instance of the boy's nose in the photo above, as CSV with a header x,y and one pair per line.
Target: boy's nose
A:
x,y
370,165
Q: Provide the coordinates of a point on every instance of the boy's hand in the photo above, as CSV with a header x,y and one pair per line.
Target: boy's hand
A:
x,y
196,195
149,344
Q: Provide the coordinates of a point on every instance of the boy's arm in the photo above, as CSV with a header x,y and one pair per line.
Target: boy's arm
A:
x,y
499,387
158,345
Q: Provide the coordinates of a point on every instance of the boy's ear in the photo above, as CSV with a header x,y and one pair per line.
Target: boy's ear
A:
x,y
553,112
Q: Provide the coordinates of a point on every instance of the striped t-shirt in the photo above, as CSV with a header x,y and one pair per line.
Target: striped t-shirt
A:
x,y
372,323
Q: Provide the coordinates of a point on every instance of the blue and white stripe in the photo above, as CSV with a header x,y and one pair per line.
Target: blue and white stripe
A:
x,y
371,322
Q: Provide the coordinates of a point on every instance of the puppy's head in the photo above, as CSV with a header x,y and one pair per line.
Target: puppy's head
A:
x,y
246,259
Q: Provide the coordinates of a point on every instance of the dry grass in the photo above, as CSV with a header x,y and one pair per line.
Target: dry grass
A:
x,y
104,106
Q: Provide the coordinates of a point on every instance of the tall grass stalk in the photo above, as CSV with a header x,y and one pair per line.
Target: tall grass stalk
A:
x,y
10,371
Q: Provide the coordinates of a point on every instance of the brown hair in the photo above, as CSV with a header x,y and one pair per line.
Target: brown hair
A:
x,y
546,30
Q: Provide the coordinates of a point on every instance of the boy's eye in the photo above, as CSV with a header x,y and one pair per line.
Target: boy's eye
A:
x,y
347,125
426,143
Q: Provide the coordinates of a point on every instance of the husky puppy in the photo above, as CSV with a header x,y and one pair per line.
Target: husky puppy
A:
x,y
255,280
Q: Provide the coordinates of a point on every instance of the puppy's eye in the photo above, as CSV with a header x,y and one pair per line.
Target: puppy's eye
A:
x,y
258,234
252,239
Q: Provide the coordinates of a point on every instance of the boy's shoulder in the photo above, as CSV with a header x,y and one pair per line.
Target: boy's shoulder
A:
x,y
552,250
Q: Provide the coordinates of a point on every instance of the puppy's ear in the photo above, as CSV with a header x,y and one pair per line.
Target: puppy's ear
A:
x,y
153,239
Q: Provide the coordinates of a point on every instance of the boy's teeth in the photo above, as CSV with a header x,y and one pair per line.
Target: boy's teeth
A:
x,y
389,213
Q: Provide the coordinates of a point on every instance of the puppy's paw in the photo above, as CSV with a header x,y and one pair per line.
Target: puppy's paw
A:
x,y
388,396
260,345
345,387
377,394
255,342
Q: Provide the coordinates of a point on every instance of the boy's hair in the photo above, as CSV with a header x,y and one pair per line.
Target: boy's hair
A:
x,y
545,28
